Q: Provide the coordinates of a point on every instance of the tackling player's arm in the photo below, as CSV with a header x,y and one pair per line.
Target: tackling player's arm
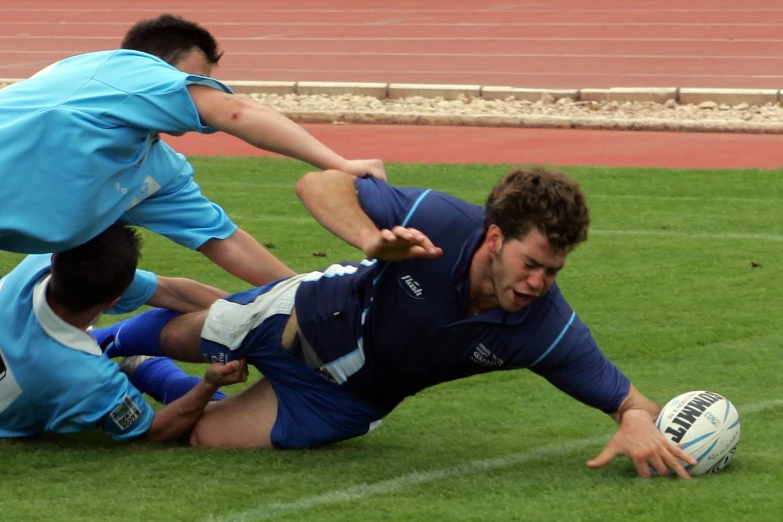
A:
x,y
180,212
177,418
184,295
331,197
242,256
173,293
120,408
267,129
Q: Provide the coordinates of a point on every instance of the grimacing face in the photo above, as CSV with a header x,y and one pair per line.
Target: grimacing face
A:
x,y
522,269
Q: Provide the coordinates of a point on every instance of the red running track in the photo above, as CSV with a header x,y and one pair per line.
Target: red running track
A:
x,y
539,43
403,143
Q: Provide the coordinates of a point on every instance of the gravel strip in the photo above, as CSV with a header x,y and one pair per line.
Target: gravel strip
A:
x,y
547,112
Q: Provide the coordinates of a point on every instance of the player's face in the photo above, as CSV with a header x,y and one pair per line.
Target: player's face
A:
x,y
195,63
523,269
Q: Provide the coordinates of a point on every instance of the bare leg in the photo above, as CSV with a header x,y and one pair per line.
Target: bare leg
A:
x,y
180,339
242,421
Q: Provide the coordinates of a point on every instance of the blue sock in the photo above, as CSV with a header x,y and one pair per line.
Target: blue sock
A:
x,y
139,335
165,381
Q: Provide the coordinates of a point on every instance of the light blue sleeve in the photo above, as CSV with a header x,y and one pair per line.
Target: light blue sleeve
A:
x,y
179,210
141,290
157,94
116,407
33,263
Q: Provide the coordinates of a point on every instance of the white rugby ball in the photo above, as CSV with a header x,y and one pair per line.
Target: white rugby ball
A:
x,y
705,425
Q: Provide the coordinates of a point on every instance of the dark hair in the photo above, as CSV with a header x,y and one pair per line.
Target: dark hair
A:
x,y
96,272
538,197
170,38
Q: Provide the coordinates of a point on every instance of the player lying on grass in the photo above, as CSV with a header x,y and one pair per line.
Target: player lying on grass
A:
x,y
53,376
341,348
81,148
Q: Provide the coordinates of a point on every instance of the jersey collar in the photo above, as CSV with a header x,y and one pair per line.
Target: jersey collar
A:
x,y
62,332
461,268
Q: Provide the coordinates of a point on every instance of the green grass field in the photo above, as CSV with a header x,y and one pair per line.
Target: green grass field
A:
x,y
666,284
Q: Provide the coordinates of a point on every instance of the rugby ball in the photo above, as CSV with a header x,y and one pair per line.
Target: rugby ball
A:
x,y
705,425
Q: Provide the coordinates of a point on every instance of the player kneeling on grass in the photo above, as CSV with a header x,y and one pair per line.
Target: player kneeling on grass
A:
x,y
341,348
53,376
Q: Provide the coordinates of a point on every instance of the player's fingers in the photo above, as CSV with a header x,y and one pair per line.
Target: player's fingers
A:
x,y
642,467
675,465
680,454
377,170
388,236
417,234
658,464
423,241
230,367
405,233
424,253
603,458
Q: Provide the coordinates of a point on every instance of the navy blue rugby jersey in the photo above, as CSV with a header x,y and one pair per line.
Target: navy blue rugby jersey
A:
x,y
389,330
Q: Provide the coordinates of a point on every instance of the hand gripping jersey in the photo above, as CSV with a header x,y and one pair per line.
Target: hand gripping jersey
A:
x,y
81,150
53,376
390,330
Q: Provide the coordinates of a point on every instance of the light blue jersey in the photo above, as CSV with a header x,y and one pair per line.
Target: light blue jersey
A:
x,y
81,151
53,376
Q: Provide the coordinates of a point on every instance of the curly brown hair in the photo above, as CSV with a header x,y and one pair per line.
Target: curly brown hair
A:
x,y
535,196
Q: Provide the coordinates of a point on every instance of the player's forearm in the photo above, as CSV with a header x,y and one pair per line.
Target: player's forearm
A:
x,y
262,127
242,256
267,129
331,199
177,418
184,295
636,401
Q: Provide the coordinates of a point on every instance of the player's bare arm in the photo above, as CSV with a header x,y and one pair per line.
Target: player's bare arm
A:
x,y
267,129
184,295
331,198
638,438
175,419
242,256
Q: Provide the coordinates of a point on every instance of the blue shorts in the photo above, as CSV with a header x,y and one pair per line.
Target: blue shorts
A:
x,y
312,410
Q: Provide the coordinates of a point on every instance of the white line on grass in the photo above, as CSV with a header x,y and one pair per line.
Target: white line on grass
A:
x,y
360,491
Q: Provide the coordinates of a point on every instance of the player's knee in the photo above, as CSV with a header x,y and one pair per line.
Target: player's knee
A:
x,y
180,336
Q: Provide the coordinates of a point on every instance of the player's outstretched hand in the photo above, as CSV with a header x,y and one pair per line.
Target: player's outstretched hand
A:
x,y
232,372
399,244
371,167
638,438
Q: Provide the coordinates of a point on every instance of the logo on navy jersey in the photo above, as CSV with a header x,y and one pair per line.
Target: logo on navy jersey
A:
x,y
219,358
411,286
484,357
126,413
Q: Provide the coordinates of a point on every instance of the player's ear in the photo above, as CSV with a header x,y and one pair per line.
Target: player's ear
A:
x,y
494,239
111,303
